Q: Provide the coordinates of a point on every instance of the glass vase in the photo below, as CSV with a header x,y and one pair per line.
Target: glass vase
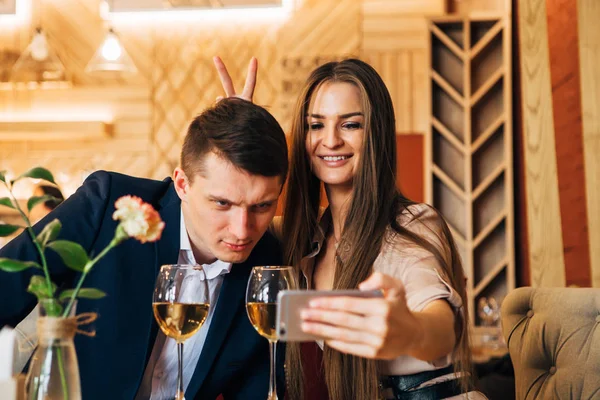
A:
x,y
54,371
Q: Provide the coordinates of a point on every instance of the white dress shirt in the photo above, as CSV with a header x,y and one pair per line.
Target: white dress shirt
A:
x,y
160,377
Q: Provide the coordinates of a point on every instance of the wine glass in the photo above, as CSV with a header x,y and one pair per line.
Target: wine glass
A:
x,y
180,303
489,313
264,285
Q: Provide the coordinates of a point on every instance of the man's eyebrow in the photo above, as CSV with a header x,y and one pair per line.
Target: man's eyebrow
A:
x,y
219,198
267,201
348,115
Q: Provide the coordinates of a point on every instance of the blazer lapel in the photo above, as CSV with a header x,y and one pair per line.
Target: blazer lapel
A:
x,y
232,294
166,249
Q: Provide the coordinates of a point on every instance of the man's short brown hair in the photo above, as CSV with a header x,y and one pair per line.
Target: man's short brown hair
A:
x,y
241,132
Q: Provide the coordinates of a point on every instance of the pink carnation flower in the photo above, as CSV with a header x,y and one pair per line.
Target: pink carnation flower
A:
x,y
138,219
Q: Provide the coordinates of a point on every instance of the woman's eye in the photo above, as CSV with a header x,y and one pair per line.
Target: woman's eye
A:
x,y
352,125
315,126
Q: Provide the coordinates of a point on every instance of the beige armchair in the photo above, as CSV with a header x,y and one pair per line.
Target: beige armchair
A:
x,y
553,336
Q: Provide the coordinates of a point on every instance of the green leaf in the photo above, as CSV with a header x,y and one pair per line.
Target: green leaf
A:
x,y
84,293
36,173
5,201
3,176
7,229
33,201
72,254
8,265
49,233
38,287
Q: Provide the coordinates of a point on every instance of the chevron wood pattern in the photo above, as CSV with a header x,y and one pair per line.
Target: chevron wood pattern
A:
x,y
470,141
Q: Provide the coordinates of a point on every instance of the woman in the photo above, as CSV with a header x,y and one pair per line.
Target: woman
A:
x,y
370,237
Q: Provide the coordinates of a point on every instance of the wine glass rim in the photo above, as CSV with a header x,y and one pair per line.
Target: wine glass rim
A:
x,y
275,267
181,266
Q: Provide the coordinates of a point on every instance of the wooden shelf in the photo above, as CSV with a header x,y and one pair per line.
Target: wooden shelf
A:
x,y
469,139
54,130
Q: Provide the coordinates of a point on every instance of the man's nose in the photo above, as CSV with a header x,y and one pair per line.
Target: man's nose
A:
x,y
241,224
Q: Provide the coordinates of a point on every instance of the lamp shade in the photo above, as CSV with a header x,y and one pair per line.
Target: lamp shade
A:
x,y
38,63
111,56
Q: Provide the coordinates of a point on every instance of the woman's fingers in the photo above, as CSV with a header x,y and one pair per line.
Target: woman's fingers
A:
x,y
357,305
227,83
224,77
339,318
250,84
332,332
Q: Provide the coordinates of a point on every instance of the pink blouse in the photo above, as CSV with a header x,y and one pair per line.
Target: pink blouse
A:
x,y
416,267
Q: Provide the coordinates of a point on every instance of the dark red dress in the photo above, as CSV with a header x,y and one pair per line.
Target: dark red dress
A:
x,y
314,375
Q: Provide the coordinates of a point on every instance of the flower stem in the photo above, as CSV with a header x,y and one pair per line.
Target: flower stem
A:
x,y
88,267
33,238
61,368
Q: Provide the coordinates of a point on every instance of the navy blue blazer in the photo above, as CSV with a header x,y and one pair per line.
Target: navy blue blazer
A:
x,y
234,361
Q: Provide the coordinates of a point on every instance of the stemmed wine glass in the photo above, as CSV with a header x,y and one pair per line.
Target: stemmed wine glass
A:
x,y
489,313
264,285
181,303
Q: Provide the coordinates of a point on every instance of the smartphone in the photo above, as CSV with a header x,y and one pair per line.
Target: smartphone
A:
x,y
291,302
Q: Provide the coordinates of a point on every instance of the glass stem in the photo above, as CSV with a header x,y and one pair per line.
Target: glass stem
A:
x,y
272,378
180,393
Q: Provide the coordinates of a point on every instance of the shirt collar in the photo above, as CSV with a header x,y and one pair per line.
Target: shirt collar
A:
x,y
322,228
213,270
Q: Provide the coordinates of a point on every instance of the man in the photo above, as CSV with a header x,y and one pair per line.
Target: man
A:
x,y
216,209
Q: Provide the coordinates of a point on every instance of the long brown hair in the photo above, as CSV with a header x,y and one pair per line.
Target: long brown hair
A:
x,y
374,205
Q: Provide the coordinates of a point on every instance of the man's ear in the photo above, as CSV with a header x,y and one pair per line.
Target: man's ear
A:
x,y
181,182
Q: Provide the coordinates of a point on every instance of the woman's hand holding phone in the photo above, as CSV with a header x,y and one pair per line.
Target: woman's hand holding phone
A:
x,y
380,327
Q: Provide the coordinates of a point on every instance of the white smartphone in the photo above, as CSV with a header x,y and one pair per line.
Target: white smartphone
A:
x,y
291,302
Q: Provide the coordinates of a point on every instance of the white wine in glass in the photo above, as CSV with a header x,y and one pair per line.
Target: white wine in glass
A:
x,y
181,303
179,320
264,285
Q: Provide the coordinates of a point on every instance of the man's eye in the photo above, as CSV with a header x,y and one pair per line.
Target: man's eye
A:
x,y
263,206
222,203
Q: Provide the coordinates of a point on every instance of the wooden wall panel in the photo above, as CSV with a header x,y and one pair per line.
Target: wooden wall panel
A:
x,y
404,78
394,42
589,53
543,211
421,8
126,150
478,6
566,102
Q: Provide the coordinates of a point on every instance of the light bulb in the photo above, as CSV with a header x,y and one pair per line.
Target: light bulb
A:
x,y
39,47
111,48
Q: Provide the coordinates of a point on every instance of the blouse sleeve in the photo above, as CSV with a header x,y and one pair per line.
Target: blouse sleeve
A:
x,y
418,268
